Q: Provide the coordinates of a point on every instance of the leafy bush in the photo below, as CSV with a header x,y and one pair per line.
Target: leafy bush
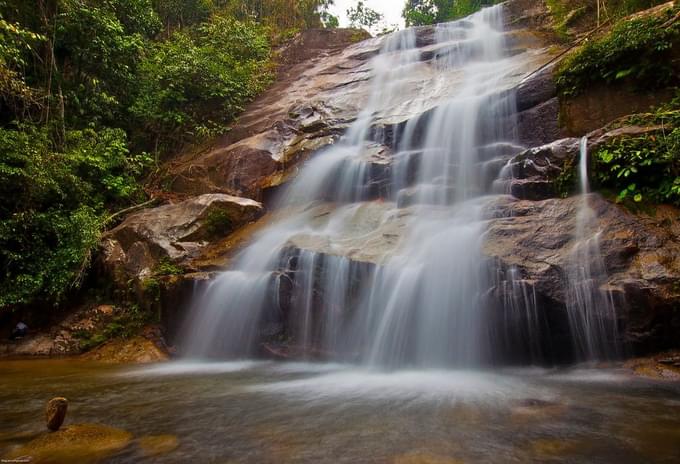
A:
x,y
645,168
84,81
53,206
198,80
636,51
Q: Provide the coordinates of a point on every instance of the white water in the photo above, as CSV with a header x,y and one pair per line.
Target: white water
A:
x,y
426,296
590,305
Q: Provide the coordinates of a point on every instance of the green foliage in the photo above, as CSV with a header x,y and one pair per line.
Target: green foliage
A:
x,y
280,15
218,222
166,267
561,10
86,86
16,45
101,53
194,83
645,168
362,16
422,12
52,211
179,13
637,52
128,323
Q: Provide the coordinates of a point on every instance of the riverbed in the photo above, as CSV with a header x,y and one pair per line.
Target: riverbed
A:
x,y
262,411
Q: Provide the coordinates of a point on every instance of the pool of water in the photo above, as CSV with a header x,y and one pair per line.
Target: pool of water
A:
x,y
265,412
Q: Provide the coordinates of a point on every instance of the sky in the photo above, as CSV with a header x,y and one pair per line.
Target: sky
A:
x,y
391,10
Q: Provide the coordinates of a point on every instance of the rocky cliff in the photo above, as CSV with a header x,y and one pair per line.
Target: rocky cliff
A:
x,y
223,192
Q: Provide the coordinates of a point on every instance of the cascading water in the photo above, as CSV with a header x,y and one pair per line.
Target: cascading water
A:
x,y
590,306
378,255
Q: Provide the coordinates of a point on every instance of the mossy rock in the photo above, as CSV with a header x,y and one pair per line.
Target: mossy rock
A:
x,y
81,443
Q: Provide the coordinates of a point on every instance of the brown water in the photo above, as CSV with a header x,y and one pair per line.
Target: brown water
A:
x,y
265,412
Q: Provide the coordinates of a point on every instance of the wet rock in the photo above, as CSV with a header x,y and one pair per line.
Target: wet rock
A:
x,y
540,124
536,89
82,443
641,254
664,366
534,171
370,236
55,413
535,238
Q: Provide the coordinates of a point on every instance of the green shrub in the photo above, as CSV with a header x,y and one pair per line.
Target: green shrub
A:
x,y
197,81
53,206
218,222
636,51
422,12
165,267
644,168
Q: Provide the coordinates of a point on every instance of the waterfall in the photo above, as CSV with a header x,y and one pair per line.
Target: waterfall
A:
x,y
377,253
590,305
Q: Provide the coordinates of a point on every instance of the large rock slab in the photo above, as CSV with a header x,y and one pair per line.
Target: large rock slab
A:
x,y
174,232
317,99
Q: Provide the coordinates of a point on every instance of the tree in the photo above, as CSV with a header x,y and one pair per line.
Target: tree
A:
x,y
422,12
363,16
328,20
198,80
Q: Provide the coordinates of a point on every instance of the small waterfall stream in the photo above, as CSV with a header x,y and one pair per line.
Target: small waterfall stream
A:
x,y
591,309
377,253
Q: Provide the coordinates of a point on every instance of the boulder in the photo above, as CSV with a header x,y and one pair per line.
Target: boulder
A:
x,y
139,350
55,413
173,232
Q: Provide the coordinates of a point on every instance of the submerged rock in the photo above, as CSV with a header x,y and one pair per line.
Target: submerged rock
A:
x,y
664,366
55,413
81,443
157,445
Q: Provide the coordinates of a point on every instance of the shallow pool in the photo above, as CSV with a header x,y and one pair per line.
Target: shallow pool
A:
x,y
263,412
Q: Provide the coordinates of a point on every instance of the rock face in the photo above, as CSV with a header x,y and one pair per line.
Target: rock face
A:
x,y
641,253
65,337
173,232
318,93
55,413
